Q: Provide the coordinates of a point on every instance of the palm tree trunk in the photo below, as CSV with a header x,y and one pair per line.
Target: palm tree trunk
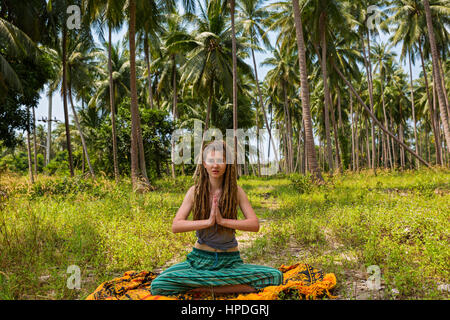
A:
x,y
269,129
49,128
77,123
289,158
357,140
413,108
208,113
438,126
133,91
427,143
174,107
142,152
82,162
369,162
257,145
304,85
305,151
388,145
400,134
339,109
437,75
233,46
113,112
432,109
393,144
320,155
34,142
30,169
444,88
380,125
353,132
368,65
298,150
339,165
286,152
149,76
326,90
64,93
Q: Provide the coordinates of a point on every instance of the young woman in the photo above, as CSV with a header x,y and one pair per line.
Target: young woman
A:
x,y
214,264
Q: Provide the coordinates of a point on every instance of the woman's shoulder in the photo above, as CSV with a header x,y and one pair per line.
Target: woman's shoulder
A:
x,y
240,192
190,193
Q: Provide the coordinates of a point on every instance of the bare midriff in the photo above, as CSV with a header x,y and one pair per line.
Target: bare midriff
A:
x,y
208,248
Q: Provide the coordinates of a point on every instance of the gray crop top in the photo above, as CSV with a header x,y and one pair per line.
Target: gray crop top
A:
x,y
216,240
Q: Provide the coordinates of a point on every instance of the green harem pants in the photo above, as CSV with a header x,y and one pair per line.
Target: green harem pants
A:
x,y
210,269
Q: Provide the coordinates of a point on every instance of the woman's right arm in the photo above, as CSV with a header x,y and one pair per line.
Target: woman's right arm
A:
x,y
180,222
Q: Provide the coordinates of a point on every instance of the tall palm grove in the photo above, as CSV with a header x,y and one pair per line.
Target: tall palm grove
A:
x,y
347,85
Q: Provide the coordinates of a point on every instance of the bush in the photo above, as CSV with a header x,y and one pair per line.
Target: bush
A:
x,y
64,186
301,183
58,164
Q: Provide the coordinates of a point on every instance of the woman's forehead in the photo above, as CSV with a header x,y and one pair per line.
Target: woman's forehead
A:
x,y
214,154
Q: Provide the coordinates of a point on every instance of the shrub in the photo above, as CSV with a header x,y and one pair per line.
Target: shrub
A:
x,y
301,183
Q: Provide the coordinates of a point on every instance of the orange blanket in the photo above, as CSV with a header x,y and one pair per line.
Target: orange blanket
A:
x,y
300,281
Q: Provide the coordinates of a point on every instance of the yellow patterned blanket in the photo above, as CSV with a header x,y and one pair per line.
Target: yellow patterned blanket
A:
x,y
300,281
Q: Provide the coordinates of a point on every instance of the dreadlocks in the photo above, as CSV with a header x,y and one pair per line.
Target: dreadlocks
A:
x,y
228,199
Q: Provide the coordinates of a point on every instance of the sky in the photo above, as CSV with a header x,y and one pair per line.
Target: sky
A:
x,y
57,104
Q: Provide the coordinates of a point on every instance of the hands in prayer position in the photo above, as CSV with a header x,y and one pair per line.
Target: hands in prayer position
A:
x,y
215,216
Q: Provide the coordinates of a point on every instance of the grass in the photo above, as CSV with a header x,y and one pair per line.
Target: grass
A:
x,y
397,221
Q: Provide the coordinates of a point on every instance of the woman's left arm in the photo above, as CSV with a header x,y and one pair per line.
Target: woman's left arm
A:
x,y
250,223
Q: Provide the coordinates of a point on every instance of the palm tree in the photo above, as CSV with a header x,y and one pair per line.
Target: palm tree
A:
x,y
148,27
437,74
279,79
362,15
80,68
172,55
304,84
371,114
111,12
252,17
58,16
208,67
409,24
325,15
18,44
383,62
133,91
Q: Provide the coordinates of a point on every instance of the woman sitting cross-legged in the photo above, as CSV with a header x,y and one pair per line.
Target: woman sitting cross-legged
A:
x,y
214,264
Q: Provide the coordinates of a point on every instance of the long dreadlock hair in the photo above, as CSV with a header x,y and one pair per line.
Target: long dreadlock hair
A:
x,y
228,200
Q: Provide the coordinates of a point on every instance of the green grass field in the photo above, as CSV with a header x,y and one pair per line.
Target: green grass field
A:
x,y
396,221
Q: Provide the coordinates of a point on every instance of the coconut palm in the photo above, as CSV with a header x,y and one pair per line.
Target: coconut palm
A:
x,y
372,115
324,16
440,83
208,66
251,19
383,59
279,80
80,69
304,84
109,12
149,19
409,22
18,44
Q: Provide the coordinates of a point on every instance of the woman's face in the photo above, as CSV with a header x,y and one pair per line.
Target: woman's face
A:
x,y
215,164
